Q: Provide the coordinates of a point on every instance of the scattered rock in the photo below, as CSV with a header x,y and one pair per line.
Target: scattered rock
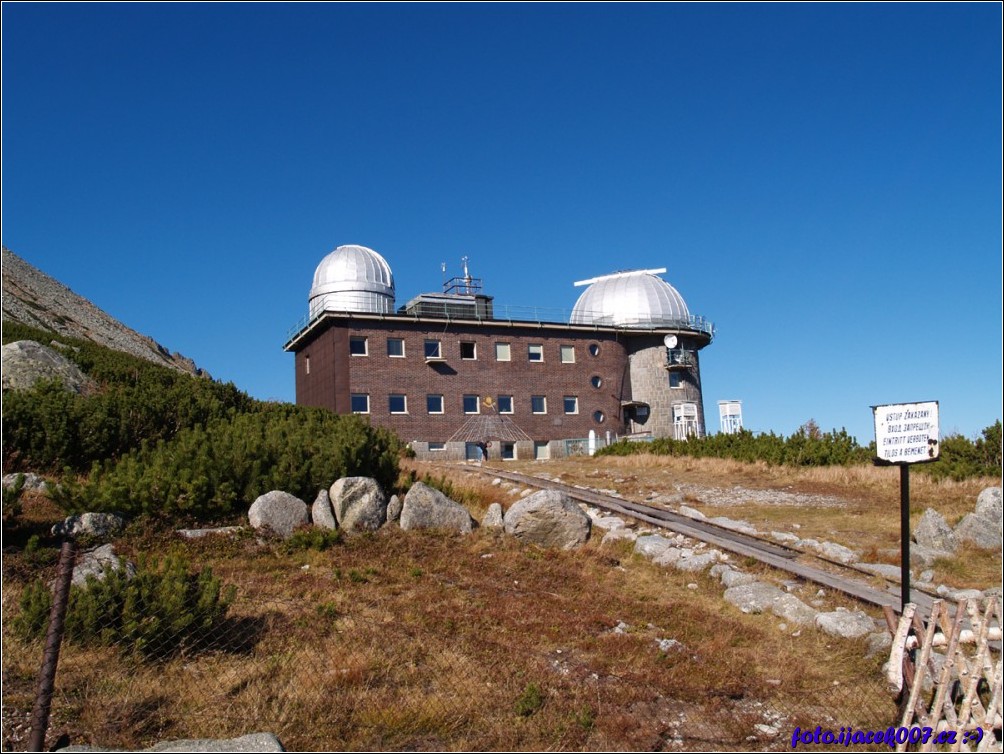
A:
x,y
697,562
652,545
200,533
886,571
619,535
427,508
32,482
744,527
758,597
548,518
845,624
686,510
250,742
925,556
836,552
99,562
359,503
934,532
91,524
278,511
785,537
879,643
609,522
394,506
321,512
493,517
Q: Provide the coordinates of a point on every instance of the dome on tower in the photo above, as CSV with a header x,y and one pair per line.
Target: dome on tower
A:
x,y
352,279
637,298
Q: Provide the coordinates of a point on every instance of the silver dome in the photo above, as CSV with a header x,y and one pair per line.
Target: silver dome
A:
x,y
637,298
352,279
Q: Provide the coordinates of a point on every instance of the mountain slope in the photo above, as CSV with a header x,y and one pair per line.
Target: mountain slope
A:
x,y
33,298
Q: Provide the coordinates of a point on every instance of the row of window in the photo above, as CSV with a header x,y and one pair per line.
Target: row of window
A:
x,y
433,350
397,403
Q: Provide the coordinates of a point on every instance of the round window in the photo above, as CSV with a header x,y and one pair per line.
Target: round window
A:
x,y
594,349
599,417
596,380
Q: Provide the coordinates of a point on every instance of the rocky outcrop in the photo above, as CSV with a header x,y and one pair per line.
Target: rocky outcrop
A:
x,y
359,503
33,298
979,531
989,504
759,597
548,518
427,508
279,512
250,742
25,362
934,532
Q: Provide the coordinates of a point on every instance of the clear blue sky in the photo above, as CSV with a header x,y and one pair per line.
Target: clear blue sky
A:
x,y
823,181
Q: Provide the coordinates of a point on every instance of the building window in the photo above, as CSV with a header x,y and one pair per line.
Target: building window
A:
x,y
434,446
571,404
599,417
674,379
505,404
596,381
360,403
541,451
395,348
508,451
594,349
468,351
306,363
433,349
434,404
538,404
471,404
568,354
398,404
357,345
502,352
535,352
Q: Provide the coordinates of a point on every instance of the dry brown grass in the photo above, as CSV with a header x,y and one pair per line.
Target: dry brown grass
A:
x,y
421,640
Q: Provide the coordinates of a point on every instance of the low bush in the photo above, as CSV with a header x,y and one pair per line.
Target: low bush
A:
x,y
163,610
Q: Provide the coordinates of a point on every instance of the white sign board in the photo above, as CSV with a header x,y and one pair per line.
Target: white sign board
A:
x,y
907,432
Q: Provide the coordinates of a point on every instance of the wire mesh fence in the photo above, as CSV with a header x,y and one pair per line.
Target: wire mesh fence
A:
x,y
329,674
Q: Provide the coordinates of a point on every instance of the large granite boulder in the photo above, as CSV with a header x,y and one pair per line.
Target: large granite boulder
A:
x,y
97,563
933,531
979,531
321,513
548,518
494,519
359,503
25,362
90,524
989,504
278,511
426,507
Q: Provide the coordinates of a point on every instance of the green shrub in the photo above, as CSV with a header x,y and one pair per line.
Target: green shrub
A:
x,y
314,538
161,611
530,700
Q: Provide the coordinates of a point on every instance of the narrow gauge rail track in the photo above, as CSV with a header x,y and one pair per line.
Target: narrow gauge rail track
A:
x,y
818,570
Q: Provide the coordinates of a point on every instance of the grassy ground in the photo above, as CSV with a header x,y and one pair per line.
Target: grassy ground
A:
x,y
420,640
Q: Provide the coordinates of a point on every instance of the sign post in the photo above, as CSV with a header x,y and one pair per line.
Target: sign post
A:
x,y
906,433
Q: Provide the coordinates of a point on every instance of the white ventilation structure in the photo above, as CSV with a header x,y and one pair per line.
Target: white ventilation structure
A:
x,y
731,415
685,422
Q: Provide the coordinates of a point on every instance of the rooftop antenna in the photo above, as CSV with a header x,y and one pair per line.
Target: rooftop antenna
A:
x,y
442,266
467,275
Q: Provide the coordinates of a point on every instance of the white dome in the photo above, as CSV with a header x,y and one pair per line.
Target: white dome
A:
x,y
352,279
638,298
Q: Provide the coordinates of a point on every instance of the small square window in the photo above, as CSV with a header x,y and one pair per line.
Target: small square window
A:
x,y
434,446
306,364
571,404
538,404
433,349
674,379
508,451
502,352
535,352
468,351
357,345
568,354
398,404
471,404
360,403
505,404
395,348
434,404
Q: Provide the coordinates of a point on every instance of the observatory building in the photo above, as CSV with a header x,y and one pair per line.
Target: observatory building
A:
x,y
448,369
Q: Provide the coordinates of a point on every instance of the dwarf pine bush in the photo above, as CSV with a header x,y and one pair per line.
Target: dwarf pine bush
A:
x,y
162,610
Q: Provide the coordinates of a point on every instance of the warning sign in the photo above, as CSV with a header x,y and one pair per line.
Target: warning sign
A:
x,y
907,432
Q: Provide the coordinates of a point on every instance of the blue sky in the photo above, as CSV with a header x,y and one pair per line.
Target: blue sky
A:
x,y
822,181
